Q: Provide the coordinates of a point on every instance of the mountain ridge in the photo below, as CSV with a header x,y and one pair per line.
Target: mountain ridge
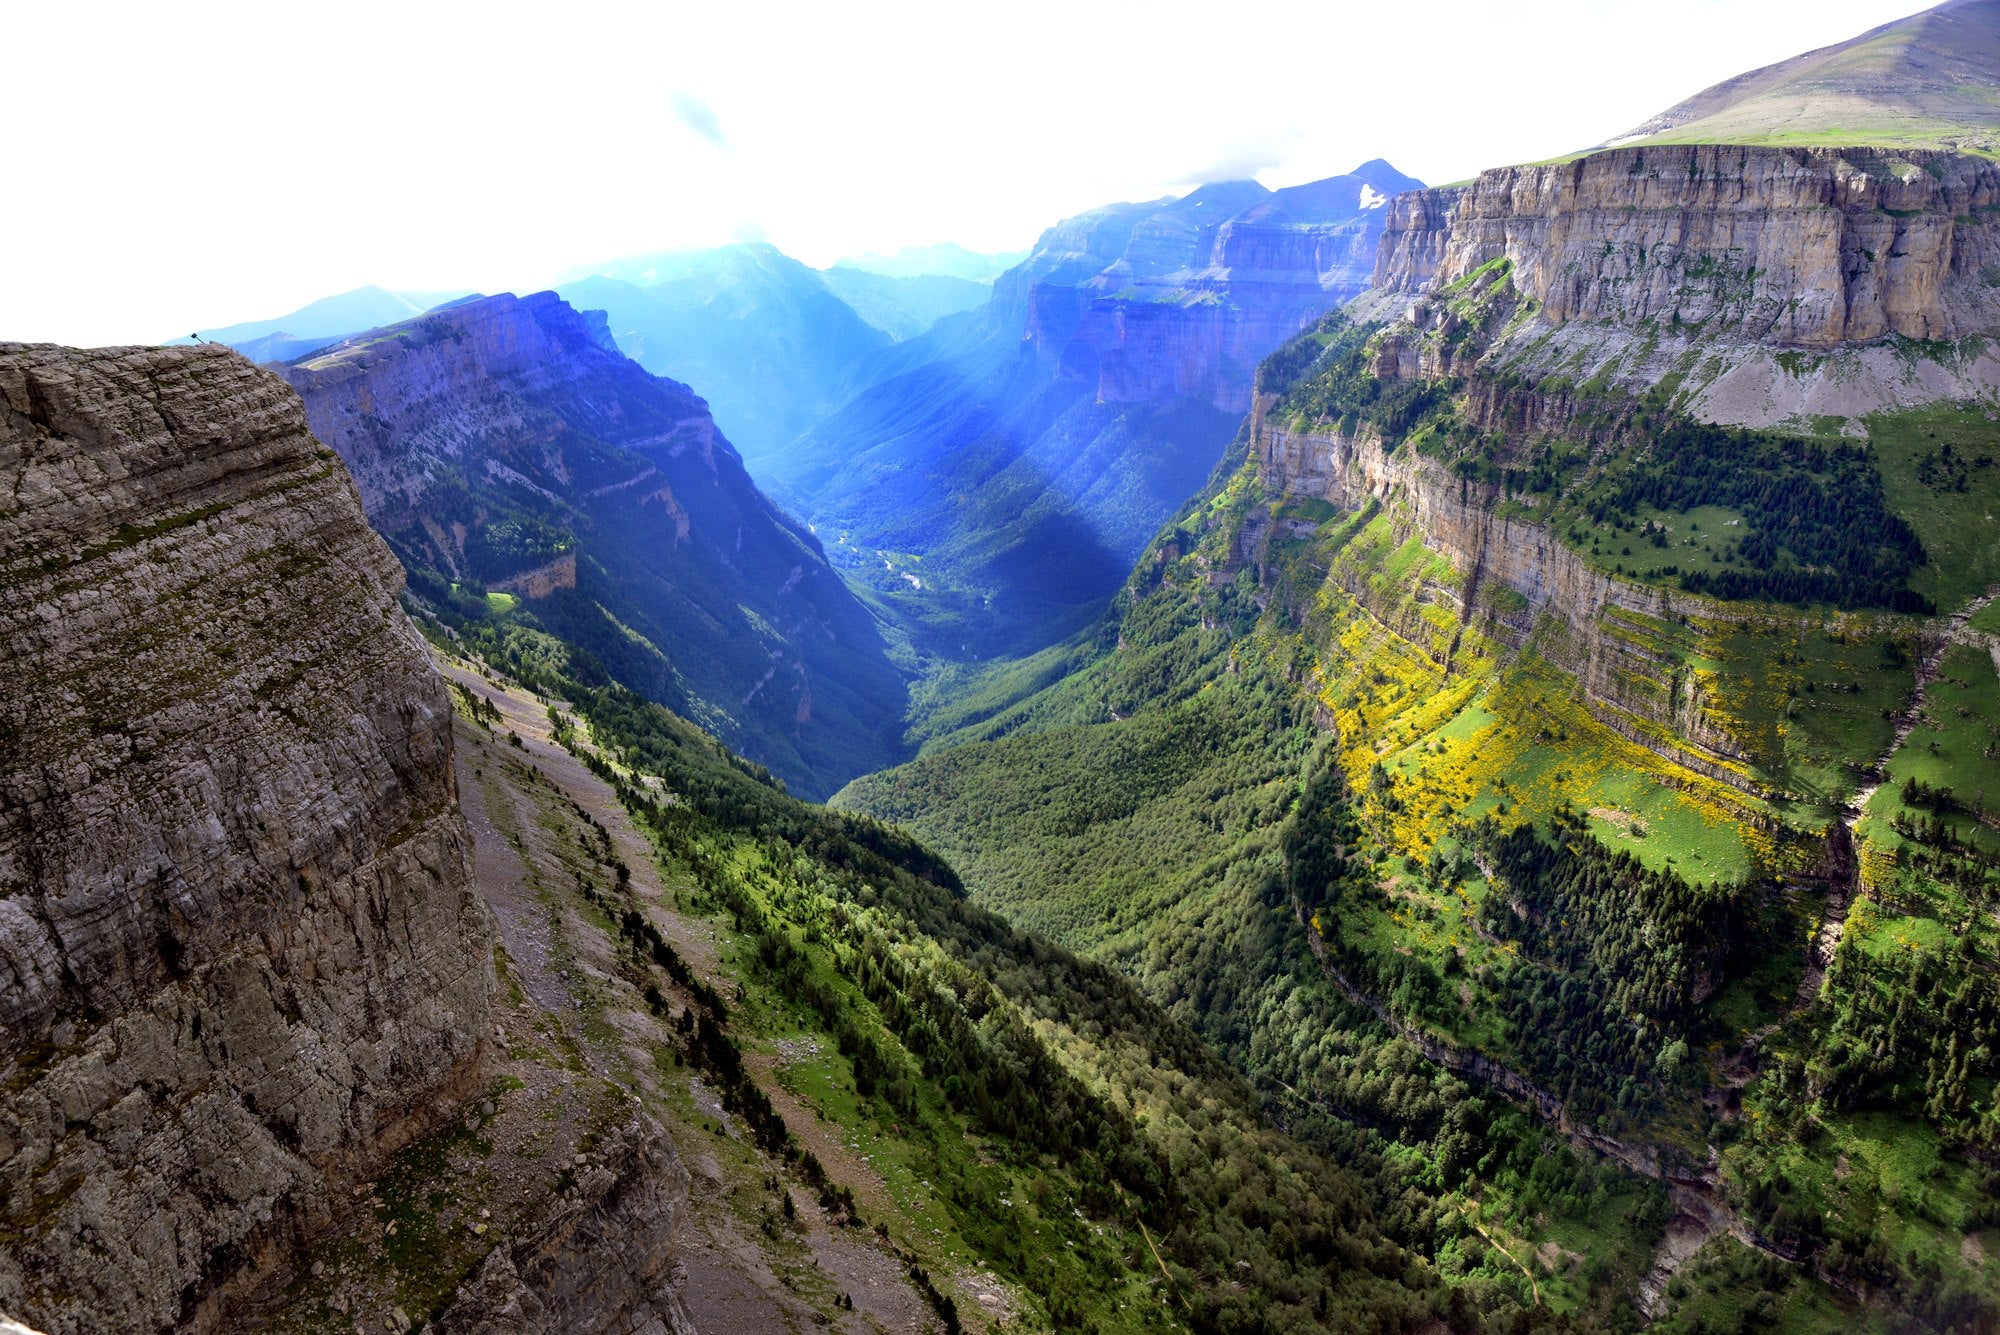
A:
x,y
506,443
1911,83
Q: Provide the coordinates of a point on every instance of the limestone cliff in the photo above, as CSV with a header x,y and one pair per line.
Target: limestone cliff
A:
x,y
1764,283
1598,625
244,974
240,958
1808,248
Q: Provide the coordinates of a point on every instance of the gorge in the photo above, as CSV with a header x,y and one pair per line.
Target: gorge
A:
x,y
1349,756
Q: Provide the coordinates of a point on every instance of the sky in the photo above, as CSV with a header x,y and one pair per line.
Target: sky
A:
x,y
172,167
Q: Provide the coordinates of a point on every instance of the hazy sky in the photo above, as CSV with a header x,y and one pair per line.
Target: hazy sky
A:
x,y
179,166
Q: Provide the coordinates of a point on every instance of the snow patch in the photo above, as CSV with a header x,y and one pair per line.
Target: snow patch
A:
x,y
1371,198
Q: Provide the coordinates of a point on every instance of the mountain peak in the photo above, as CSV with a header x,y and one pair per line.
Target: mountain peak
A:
x,y
1925,81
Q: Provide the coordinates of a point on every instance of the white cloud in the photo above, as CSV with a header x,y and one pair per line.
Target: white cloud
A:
x,y
181,166
699,117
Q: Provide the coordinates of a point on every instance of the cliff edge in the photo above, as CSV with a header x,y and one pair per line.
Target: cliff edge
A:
x,y
244,975
240,957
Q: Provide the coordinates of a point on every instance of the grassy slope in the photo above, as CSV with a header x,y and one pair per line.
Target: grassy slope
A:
x,y
1922,82
1146,840
1952,502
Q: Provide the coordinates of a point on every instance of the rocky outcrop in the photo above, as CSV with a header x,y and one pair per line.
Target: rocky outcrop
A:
x,y
1802,248
542,581
606,1251
241,962
242,965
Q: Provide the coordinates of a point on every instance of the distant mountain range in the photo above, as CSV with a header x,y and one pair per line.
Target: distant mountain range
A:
x,y
765,338
506,448
770,343
995,479
321,322
903,306
1020,441
946,260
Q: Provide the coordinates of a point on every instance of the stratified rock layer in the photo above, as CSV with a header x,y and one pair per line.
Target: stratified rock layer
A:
x,y
1625,684
1809,248
240,958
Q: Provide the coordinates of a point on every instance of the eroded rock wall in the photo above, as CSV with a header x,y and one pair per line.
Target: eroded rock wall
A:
x,y
1600,622
241,961
1806,248
1201,333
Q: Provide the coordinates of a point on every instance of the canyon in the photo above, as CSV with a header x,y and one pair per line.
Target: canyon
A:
x,y
1025,453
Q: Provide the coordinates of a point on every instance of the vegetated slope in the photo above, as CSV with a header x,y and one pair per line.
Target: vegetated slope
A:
x,y
247,979
763,338
994,479
1010,1120
507,450
1661,552
1921,82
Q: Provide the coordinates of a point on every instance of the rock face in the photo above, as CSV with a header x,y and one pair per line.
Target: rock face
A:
x,y
1803,248
1182,298
507,443
1604,620
602,1262
241,962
